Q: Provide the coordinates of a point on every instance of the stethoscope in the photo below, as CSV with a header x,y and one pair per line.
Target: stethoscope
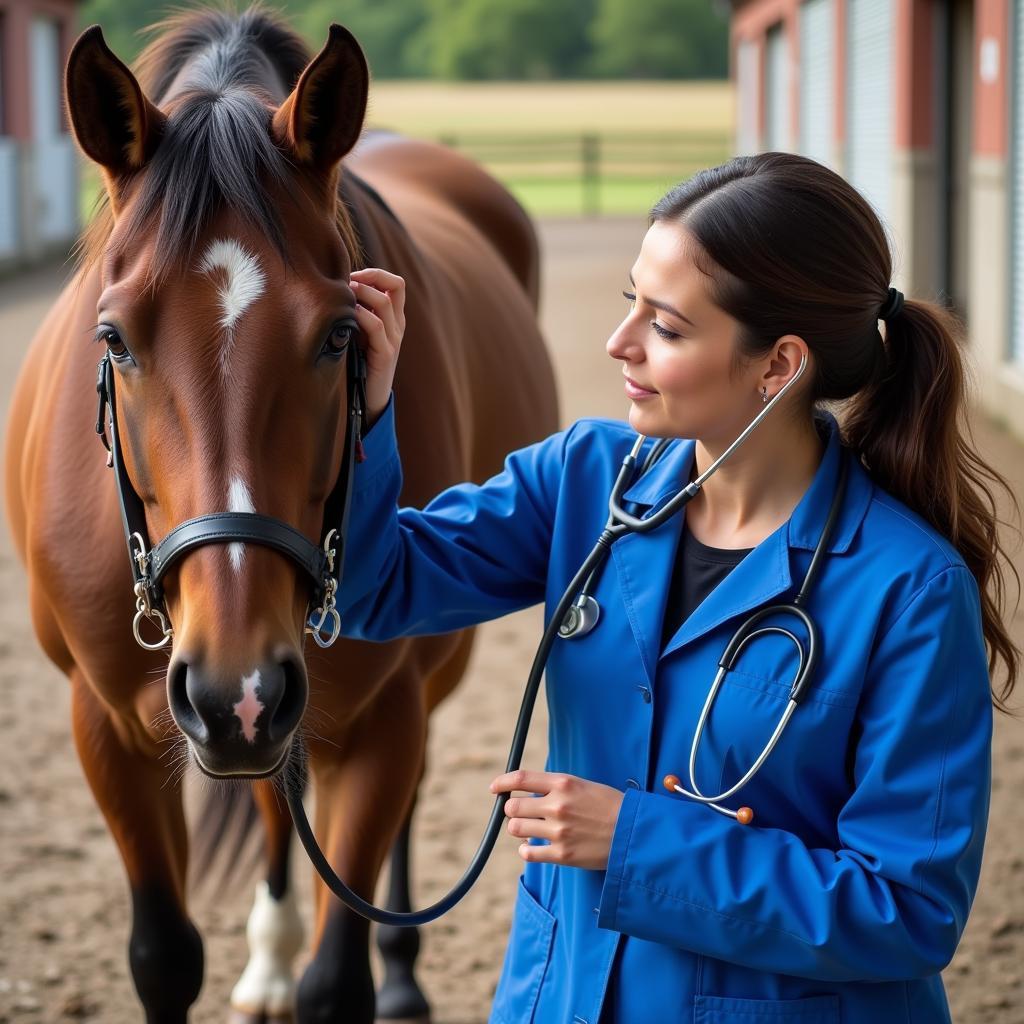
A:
x,y
575,617
584,613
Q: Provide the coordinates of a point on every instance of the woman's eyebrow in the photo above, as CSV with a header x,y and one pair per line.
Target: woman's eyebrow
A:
x,y
658,304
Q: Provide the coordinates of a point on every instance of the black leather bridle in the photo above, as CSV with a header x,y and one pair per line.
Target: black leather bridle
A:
x,y
323,564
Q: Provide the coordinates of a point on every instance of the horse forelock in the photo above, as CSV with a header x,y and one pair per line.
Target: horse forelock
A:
x,y
219,74
257,29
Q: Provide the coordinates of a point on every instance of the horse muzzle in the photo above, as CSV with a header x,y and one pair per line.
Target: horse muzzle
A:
x,y
240,726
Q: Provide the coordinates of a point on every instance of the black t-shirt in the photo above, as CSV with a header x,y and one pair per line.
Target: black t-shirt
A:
x,y
697,571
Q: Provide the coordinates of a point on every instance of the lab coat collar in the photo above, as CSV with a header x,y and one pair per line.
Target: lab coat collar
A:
x,y
645,563
673,469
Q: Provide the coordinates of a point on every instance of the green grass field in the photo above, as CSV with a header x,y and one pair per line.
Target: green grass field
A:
x,y
653,134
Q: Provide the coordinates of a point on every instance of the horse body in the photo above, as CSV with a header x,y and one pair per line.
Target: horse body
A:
x,y
220,419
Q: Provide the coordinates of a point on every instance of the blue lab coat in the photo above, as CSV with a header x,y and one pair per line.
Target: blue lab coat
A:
x,y
849,892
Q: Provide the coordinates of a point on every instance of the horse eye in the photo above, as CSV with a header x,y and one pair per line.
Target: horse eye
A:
x,y
115,345
340,337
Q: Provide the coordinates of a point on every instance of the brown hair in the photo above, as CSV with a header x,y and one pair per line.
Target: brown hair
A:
x,y
790,247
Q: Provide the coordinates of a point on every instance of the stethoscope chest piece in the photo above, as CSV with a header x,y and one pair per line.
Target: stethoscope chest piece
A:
x,y
580,619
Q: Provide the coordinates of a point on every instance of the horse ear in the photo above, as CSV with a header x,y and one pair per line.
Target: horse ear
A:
x,y
112,120
322,118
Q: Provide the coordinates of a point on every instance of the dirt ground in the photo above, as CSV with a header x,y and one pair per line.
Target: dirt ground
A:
x,y
63,901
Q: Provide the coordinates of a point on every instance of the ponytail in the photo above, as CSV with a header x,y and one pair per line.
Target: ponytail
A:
x,y
789,246
909,425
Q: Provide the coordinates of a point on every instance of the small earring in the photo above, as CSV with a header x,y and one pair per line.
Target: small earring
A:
x,y
764,396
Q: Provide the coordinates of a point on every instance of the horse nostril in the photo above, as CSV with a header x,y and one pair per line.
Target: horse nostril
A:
x,y
292,703
182,708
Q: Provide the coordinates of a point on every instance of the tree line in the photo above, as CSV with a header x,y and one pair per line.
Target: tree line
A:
x,y
492,39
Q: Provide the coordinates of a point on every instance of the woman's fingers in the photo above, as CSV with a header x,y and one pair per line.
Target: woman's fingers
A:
x,y
576,816
532,807
530,782
380,313
382,279
535,828
383,282
382,305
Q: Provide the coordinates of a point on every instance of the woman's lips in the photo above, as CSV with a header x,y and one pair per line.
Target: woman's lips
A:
x,y
636,392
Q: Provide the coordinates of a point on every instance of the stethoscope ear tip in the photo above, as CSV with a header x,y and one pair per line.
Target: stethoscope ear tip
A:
x,y
744,815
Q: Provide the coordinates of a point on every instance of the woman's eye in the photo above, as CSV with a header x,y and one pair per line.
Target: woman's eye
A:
x,y
663,332
629,297
340,337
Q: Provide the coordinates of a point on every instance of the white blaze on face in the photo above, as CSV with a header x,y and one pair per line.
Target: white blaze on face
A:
x,y
243,285
239,500
248,709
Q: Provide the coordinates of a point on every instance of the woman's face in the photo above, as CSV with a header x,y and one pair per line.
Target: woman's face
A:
x,y
677,348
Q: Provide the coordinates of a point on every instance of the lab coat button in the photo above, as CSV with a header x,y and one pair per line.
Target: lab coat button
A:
x,y
632,784
645,692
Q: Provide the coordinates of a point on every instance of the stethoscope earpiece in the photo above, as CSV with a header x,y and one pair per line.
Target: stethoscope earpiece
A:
x,y
744,815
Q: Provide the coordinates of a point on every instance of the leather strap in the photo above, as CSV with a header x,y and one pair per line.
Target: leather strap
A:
x,y
322,563
232,527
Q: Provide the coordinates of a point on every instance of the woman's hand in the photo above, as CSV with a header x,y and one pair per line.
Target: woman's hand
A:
x,y
380,313
576,815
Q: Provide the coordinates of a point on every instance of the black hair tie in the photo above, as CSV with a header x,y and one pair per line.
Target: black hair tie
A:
x,y
892,305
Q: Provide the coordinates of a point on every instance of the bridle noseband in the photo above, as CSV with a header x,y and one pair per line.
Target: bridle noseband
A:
x,y
322,564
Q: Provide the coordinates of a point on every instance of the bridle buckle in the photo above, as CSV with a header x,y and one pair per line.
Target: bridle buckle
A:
x,y
143,609
325,611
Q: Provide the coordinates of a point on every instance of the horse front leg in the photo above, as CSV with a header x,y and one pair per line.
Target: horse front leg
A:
x,y
146,819
400,997
363,793
265,993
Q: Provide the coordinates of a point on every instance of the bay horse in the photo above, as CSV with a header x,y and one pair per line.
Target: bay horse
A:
x,y
240,192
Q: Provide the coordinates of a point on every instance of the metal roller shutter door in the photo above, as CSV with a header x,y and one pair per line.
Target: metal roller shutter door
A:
x,y
776,86
869,98
817,80
748,86
56,176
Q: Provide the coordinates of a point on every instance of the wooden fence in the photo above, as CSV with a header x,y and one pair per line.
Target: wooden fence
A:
x,y
593,159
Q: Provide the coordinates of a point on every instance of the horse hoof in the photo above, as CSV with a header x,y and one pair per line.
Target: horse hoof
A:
x,y
243,1017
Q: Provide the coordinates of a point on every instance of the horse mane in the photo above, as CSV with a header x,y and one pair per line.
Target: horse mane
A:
x,y
217,151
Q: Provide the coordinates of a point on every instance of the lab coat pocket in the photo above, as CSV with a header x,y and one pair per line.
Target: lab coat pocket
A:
x,y
729,1010
526,960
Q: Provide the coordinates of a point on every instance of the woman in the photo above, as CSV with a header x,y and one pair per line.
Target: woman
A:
x,y
848,893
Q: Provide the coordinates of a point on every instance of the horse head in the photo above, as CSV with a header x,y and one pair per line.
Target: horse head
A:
x,y
226,311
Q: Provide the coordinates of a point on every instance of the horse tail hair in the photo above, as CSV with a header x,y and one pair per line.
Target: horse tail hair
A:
x,y
225,842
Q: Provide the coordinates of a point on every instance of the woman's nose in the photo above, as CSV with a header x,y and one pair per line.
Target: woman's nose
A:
x,y
625,342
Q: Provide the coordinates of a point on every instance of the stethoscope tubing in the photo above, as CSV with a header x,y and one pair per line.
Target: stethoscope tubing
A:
x,y
619,523
410,919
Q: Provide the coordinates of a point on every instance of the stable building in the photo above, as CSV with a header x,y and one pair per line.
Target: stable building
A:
x,y
920,105
39,181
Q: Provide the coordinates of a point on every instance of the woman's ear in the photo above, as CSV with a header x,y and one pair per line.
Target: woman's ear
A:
x,y
784,363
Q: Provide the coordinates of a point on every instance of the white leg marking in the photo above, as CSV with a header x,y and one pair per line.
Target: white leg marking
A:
x,y
275,936
239,500
242,287
249,707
